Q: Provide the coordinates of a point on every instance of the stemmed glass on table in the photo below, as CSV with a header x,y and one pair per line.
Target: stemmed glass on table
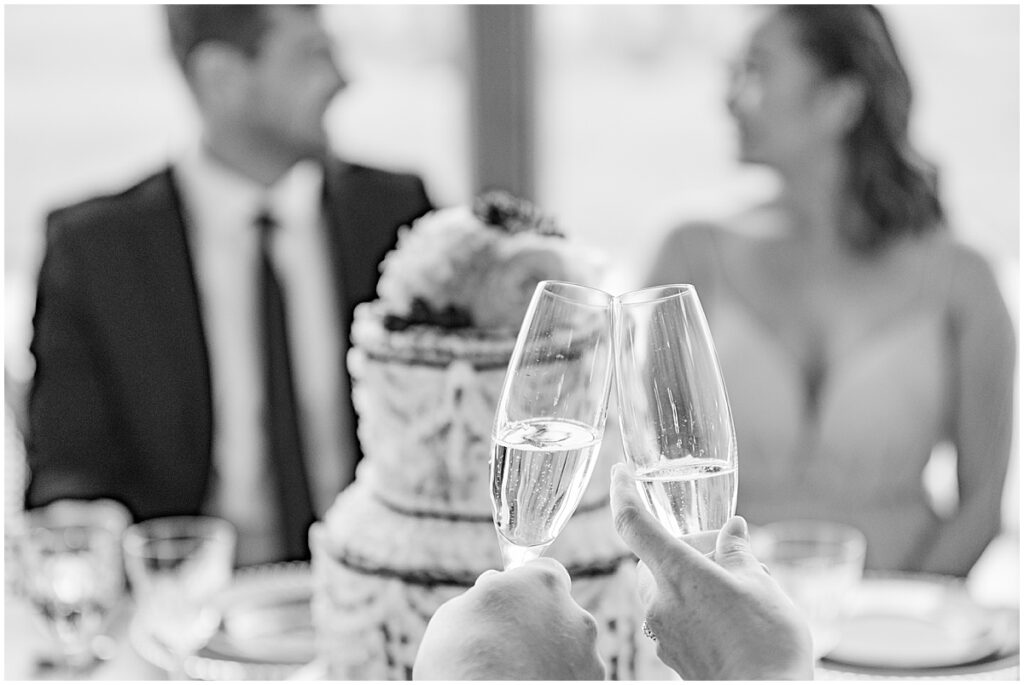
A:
x,y
177,566
550,417
676,424
71,572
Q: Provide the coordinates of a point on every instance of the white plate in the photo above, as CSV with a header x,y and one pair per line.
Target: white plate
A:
x,y
265,633
316,669
909,622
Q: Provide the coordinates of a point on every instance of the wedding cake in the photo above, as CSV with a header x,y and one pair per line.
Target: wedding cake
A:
x,y
415,528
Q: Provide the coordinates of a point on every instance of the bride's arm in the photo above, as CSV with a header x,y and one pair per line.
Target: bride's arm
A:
x,y
985,353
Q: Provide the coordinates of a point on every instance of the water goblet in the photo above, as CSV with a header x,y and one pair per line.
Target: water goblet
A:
x,y
177,565
819,565
550,417
674,414
72,574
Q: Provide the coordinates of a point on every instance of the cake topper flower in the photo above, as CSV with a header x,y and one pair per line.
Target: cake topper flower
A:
x,y
501,209
462,268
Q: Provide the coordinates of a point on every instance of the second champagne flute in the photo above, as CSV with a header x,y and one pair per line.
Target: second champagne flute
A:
x,y
677,428
550,417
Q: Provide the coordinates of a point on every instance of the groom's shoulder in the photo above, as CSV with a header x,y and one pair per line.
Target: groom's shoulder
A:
x,y
106,211
374,175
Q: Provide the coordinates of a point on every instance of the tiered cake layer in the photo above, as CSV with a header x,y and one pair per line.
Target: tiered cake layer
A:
x,y
415,529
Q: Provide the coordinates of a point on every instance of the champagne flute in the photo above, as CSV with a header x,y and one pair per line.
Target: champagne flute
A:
x,y
677,428
550,417
177,565
71,572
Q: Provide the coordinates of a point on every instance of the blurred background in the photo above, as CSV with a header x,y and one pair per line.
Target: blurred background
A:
x,y
611,117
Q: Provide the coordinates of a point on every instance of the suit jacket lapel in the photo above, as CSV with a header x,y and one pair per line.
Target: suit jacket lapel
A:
x,y
344,213
168,335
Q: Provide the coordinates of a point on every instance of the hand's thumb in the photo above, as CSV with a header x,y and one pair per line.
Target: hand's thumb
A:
x,y
732,550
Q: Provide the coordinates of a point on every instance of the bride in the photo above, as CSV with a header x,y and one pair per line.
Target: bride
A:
x,y
854,332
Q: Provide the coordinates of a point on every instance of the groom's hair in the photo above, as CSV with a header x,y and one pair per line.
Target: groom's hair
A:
x,y
241,26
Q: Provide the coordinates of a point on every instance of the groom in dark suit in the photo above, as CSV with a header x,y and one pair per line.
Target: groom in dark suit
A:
x,y
190,332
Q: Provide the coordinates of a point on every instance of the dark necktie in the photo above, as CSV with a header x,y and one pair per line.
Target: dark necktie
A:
x,y
284,440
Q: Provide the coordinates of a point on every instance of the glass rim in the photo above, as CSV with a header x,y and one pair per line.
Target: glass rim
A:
x,y
78,513
814,530
168,528
656,293
561,290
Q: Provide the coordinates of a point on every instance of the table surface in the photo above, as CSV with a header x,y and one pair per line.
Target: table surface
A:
x,y
25,644
994,582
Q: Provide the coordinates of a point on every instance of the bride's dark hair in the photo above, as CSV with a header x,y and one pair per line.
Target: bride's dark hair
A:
x,y
895,188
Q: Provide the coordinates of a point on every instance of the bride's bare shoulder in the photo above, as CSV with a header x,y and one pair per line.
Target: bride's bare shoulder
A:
x,y
751,225
972,275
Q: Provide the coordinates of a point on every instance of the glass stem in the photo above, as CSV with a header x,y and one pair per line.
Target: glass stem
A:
x,y
78,663
514,555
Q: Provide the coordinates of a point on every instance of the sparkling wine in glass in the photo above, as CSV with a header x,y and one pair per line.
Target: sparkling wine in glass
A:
x,y
550,417
177,566
676,425
71,572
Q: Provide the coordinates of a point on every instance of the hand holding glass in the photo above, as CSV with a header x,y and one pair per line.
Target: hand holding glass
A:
x,y
550,417
676,424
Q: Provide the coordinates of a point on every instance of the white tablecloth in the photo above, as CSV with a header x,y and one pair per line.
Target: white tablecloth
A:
x,y
994,582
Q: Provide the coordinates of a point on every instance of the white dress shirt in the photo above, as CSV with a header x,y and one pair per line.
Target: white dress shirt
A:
x,y
220,207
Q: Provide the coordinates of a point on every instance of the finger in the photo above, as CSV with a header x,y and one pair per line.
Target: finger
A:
x,y
732,549
635,526
642,533
553,572
704,542
489,579
486,574
645,585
